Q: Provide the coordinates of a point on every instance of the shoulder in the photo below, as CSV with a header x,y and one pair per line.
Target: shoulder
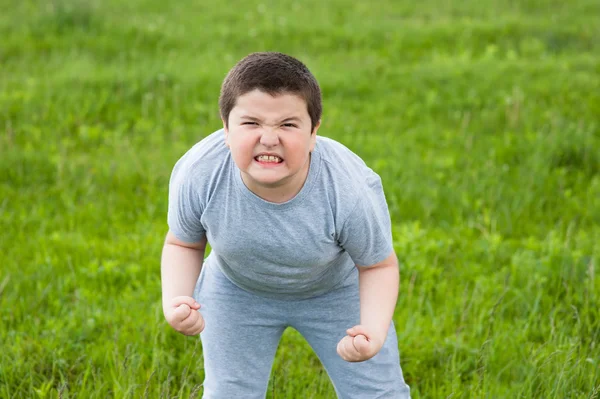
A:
x,y
205,154
209,148
204,161
345,178
345,166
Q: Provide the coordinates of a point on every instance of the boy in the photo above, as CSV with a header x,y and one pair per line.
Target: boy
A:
x,y
300,236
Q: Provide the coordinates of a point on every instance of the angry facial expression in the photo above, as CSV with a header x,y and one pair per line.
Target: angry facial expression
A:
x,y
270,139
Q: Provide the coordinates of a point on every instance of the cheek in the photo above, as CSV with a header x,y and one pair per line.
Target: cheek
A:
x,y
300,152
241,150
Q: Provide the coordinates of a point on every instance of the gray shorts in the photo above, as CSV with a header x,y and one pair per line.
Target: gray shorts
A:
x,y
243,331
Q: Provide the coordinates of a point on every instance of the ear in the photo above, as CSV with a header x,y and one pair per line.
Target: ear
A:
x,y
313,136
317,126
226,130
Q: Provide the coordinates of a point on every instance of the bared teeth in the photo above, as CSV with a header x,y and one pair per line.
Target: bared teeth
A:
x,y
268,158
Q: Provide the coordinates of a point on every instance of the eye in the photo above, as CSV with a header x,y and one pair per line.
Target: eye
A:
x,y
289,125
249,123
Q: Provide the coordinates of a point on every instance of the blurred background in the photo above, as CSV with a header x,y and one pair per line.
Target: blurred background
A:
x,y
482,118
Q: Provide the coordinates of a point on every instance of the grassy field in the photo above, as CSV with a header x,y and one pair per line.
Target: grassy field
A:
x,y
482,117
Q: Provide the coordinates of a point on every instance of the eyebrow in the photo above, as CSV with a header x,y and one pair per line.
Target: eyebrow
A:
x,y
291,118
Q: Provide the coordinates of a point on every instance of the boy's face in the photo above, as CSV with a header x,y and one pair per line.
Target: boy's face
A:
x,y
270,139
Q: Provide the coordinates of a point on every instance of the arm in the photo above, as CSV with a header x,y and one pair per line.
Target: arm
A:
x,y
366,235
181,263
378,287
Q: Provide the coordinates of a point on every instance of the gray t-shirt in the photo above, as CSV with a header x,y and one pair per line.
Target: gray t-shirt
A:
x,y
297,249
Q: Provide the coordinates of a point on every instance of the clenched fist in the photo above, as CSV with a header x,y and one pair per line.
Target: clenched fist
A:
x,y
360,344
183,315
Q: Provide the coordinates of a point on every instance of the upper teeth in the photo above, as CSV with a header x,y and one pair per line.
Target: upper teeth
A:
x,y
268,158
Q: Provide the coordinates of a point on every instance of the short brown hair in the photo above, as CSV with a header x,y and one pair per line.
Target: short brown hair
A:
x,y
273,73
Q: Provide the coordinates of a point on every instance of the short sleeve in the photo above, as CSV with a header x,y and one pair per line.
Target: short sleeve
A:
x,y
185,207
367,234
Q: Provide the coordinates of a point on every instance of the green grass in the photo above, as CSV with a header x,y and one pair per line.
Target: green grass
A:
x,y
481,118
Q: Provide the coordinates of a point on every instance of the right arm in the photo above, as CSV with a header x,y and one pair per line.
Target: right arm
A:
x,y
181,263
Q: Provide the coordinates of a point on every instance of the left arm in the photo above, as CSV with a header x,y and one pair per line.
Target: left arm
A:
x,y
378,286
366,235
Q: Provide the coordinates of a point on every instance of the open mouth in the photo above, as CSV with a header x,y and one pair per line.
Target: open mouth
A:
x,y
272,159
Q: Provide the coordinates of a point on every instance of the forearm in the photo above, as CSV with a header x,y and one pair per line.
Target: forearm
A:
x,y
180,268
378,295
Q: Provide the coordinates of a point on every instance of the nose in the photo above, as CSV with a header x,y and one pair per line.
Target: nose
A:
x,y
269,137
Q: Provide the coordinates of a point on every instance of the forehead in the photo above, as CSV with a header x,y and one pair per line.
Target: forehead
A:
x,y
260,103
